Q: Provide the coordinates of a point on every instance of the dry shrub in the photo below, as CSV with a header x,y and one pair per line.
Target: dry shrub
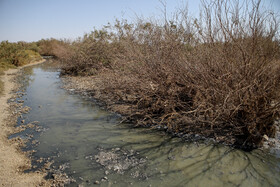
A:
x,y
89,54
217,76
154,56
235,72
1,87
57,48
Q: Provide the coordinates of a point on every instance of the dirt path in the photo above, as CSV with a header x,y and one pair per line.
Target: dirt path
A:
x,y
12,160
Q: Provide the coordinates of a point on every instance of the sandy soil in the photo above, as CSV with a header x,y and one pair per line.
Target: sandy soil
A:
x,y
12,160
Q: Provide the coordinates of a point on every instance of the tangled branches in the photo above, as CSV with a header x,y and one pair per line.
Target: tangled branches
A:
x,y
217,76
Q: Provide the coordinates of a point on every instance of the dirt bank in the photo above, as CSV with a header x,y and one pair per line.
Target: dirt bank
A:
x,y
12,160
95,86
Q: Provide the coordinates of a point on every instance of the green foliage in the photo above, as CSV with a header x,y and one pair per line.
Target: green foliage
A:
x,y
18,54
24,57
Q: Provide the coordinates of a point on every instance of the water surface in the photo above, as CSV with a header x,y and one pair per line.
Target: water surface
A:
x,y
75,131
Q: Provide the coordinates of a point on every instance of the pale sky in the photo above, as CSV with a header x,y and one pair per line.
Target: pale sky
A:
x,y
32,20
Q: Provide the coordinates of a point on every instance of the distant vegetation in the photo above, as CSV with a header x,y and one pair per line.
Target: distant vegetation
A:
x,y
53,47
16,54
19,53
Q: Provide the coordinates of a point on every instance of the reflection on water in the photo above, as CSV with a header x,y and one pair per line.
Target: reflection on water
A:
x,y
77,130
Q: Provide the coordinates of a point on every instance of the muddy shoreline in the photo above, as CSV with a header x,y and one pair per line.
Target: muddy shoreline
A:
x,y
13,161
15,164
92,86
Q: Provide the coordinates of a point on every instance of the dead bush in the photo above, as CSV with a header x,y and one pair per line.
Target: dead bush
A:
x,y
217,75
235,71
89,54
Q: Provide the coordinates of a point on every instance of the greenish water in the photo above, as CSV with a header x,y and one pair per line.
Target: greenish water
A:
x,y
75,131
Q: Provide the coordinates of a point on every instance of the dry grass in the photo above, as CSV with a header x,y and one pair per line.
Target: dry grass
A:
x,y
3,67
217,76
1,87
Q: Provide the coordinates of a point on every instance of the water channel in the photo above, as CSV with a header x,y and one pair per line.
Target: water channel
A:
x,y
90,145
